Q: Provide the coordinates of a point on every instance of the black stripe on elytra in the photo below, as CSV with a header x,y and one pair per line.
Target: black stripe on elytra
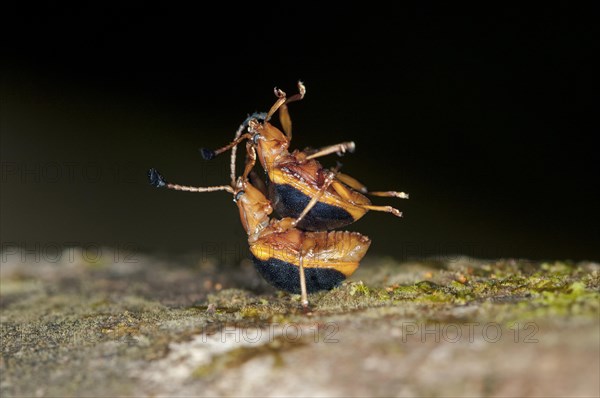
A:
x,y
290,202
286,276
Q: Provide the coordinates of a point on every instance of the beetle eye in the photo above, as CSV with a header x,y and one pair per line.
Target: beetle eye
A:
x,y
238,196
255,138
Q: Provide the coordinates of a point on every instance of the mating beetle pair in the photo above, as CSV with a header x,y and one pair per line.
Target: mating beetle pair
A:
x,y
298,253
293,178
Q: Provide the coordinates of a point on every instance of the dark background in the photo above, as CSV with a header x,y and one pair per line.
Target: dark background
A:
x,y
482,115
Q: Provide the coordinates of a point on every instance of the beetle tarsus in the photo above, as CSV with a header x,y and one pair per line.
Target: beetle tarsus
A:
x,y
279,93
301,89
156,180
349,147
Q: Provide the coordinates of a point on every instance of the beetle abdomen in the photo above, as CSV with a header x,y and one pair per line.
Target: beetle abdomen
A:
x,y
290,202
286,276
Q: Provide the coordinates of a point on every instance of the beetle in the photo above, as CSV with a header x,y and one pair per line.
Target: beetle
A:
x,y
294,178
287,257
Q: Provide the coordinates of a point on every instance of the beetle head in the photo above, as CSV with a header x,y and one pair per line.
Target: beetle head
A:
x,y
270,142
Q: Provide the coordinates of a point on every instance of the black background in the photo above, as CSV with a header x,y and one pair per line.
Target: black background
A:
x,y
482,115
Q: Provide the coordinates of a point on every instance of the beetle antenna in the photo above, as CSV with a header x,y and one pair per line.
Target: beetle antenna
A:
x,y
158,181
208,154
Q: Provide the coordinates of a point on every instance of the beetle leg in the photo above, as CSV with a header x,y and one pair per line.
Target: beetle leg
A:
x,y
349,195
351,182
258,182
303,293
280,101
357,185
284,114
357,199
238,133
250,159
315,199
286,121
300,95
337,148
394,194
387,209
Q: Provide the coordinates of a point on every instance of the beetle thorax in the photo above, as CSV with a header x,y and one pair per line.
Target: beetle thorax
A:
x,y
272,145
254,208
